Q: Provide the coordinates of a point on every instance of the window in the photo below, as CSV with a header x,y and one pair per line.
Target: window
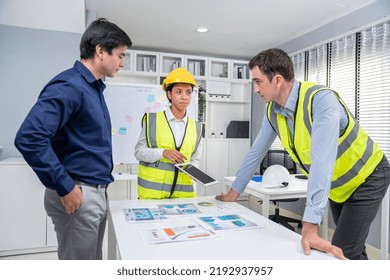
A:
x,y
342,70
317,65
374,85
299,66
358,69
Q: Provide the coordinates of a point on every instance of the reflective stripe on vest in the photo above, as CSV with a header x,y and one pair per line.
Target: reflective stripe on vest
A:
x,y
155,180
357,154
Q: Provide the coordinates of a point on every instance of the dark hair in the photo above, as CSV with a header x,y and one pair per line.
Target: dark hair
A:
x,y
102,33
272,62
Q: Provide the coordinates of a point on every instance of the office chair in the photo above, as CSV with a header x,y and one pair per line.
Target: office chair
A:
x,y
283,158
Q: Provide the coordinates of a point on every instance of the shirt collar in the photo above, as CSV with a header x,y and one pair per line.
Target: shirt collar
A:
x,y
87,75
291,102
171,117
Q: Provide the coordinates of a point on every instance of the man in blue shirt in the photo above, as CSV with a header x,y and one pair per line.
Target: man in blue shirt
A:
x,y
66,139
322,136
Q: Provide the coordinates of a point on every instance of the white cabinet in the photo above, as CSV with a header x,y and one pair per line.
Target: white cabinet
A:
x,y
228,98
240,71
127,63
219,69
144,69
146,63
51,236
223,158
119,189
23,221
197,66
219,115
139,68
216,158
124,187
237,151
125,182
169,62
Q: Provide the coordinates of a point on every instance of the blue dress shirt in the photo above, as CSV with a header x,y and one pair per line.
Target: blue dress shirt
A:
x,y
66,136
329,120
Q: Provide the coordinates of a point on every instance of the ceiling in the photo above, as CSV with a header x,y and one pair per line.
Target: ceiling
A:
x,y
237,29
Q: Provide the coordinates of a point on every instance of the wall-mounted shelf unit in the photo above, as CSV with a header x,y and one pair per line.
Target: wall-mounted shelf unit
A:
x,y
228,98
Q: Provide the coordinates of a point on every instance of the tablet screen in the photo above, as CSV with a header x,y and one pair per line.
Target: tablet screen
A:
x,y
197,174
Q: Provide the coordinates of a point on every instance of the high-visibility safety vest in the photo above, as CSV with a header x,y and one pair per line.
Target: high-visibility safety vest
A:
x,y
357,154
162,179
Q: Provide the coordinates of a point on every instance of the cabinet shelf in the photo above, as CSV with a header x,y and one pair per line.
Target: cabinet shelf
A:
x,y
227,88
197,66
219,69
240,71
229,101
169,62
146,63
127,61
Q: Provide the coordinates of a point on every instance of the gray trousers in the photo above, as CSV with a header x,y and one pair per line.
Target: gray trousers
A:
x,y
353,218
80,235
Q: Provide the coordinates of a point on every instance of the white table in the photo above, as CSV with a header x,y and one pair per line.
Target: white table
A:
x,y
297,188
273,241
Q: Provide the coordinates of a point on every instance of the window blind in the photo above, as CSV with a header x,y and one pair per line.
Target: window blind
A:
x,y
359,70
342,70
299,66
374,84
317,65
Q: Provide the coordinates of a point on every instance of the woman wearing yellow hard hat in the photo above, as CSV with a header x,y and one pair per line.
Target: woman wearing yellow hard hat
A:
x,y
167,138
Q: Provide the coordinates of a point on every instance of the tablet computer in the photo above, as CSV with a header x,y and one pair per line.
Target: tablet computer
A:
x,y
196,174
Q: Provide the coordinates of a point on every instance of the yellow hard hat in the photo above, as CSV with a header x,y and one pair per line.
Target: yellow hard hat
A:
x,y
179,75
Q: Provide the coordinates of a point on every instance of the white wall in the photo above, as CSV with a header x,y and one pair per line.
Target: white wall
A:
x,y
366,16
39,38
57,15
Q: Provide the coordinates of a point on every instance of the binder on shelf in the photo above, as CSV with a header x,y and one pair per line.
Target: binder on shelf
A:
x,y
240,72
175,64
148,64
197,68
238,129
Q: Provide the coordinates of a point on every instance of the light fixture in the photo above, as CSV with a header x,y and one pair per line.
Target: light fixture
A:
x,y
202,29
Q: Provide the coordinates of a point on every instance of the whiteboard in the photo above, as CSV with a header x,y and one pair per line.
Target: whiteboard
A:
x,y
127,104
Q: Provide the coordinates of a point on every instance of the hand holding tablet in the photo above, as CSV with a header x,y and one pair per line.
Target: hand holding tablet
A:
x,y
196,174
